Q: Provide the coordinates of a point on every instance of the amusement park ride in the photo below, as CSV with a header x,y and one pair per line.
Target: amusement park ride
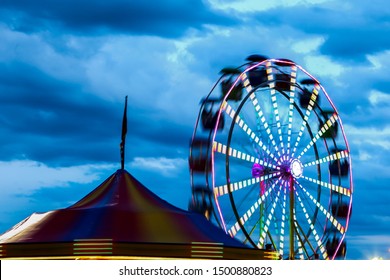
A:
x,y
270,162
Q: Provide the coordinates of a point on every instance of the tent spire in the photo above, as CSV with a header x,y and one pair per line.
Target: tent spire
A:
x,y
124,132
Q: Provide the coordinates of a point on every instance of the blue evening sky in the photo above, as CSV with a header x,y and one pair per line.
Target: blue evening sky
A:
x,y
66,67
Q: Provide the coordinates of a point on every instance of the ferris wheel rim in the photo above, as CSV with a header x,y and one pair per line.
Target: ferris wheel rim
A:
x,y
223,102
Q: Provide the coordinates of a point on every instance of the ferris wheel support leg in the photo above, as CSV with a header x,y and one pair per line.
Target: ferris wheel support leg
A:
x,y
292,230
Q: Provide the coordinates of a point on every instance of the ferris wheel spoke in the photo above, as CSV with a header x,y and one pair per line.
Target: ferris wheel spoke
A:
x,y
223,149
336,156
298,237
328,124
276,114
271,77
252,208
291,107
232,187
264,122
335,188
259,111
242,124
283,222
269,218
258,124
309,109
322,209
272,85
312,228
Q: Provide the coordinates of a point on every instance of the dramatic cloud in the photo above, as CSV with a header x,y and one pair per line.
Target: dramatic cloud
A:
x,y
351,30
164,18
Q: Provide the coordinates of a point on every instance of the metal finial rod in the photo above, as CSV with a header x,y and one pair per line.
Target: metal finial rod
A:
x,y
123,139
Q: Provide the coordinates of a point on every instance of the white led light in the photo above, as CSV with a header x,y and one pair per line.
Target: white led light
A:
x,y
296,168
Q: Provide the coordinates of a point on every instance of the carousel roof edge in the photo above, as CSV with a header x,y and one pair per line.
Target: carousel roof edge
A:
x,y
106,249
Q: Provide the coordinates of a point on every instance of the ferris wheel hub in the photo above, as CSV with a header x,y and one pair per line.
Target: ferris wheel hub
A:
x,y
296,168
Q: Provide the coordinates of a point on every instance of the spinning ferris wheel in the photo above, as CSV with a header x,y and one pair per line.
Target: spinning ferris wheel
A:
x,y
270,162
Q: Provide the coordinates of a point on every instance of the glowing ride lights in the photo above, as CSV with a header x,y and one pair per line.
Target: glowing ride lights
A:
x,y
287,168
275,160
296,168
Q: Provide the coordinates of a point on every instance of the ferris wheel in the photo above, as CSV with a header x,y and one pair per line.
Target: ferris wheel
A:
x,y
270,162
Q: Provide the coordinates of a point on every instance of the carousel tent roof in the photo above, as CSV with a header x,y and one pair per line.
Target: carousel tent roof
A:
x,y
122,218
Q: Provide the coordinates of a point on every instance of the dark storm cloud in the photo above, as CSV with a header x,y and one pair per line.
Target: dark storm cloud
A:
x,y
351,32
356,43
150,136
69,126
37,108
163,18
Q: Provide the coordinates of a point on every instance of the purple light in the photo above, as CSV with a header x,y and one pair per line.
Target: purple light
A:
x,y
257,170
